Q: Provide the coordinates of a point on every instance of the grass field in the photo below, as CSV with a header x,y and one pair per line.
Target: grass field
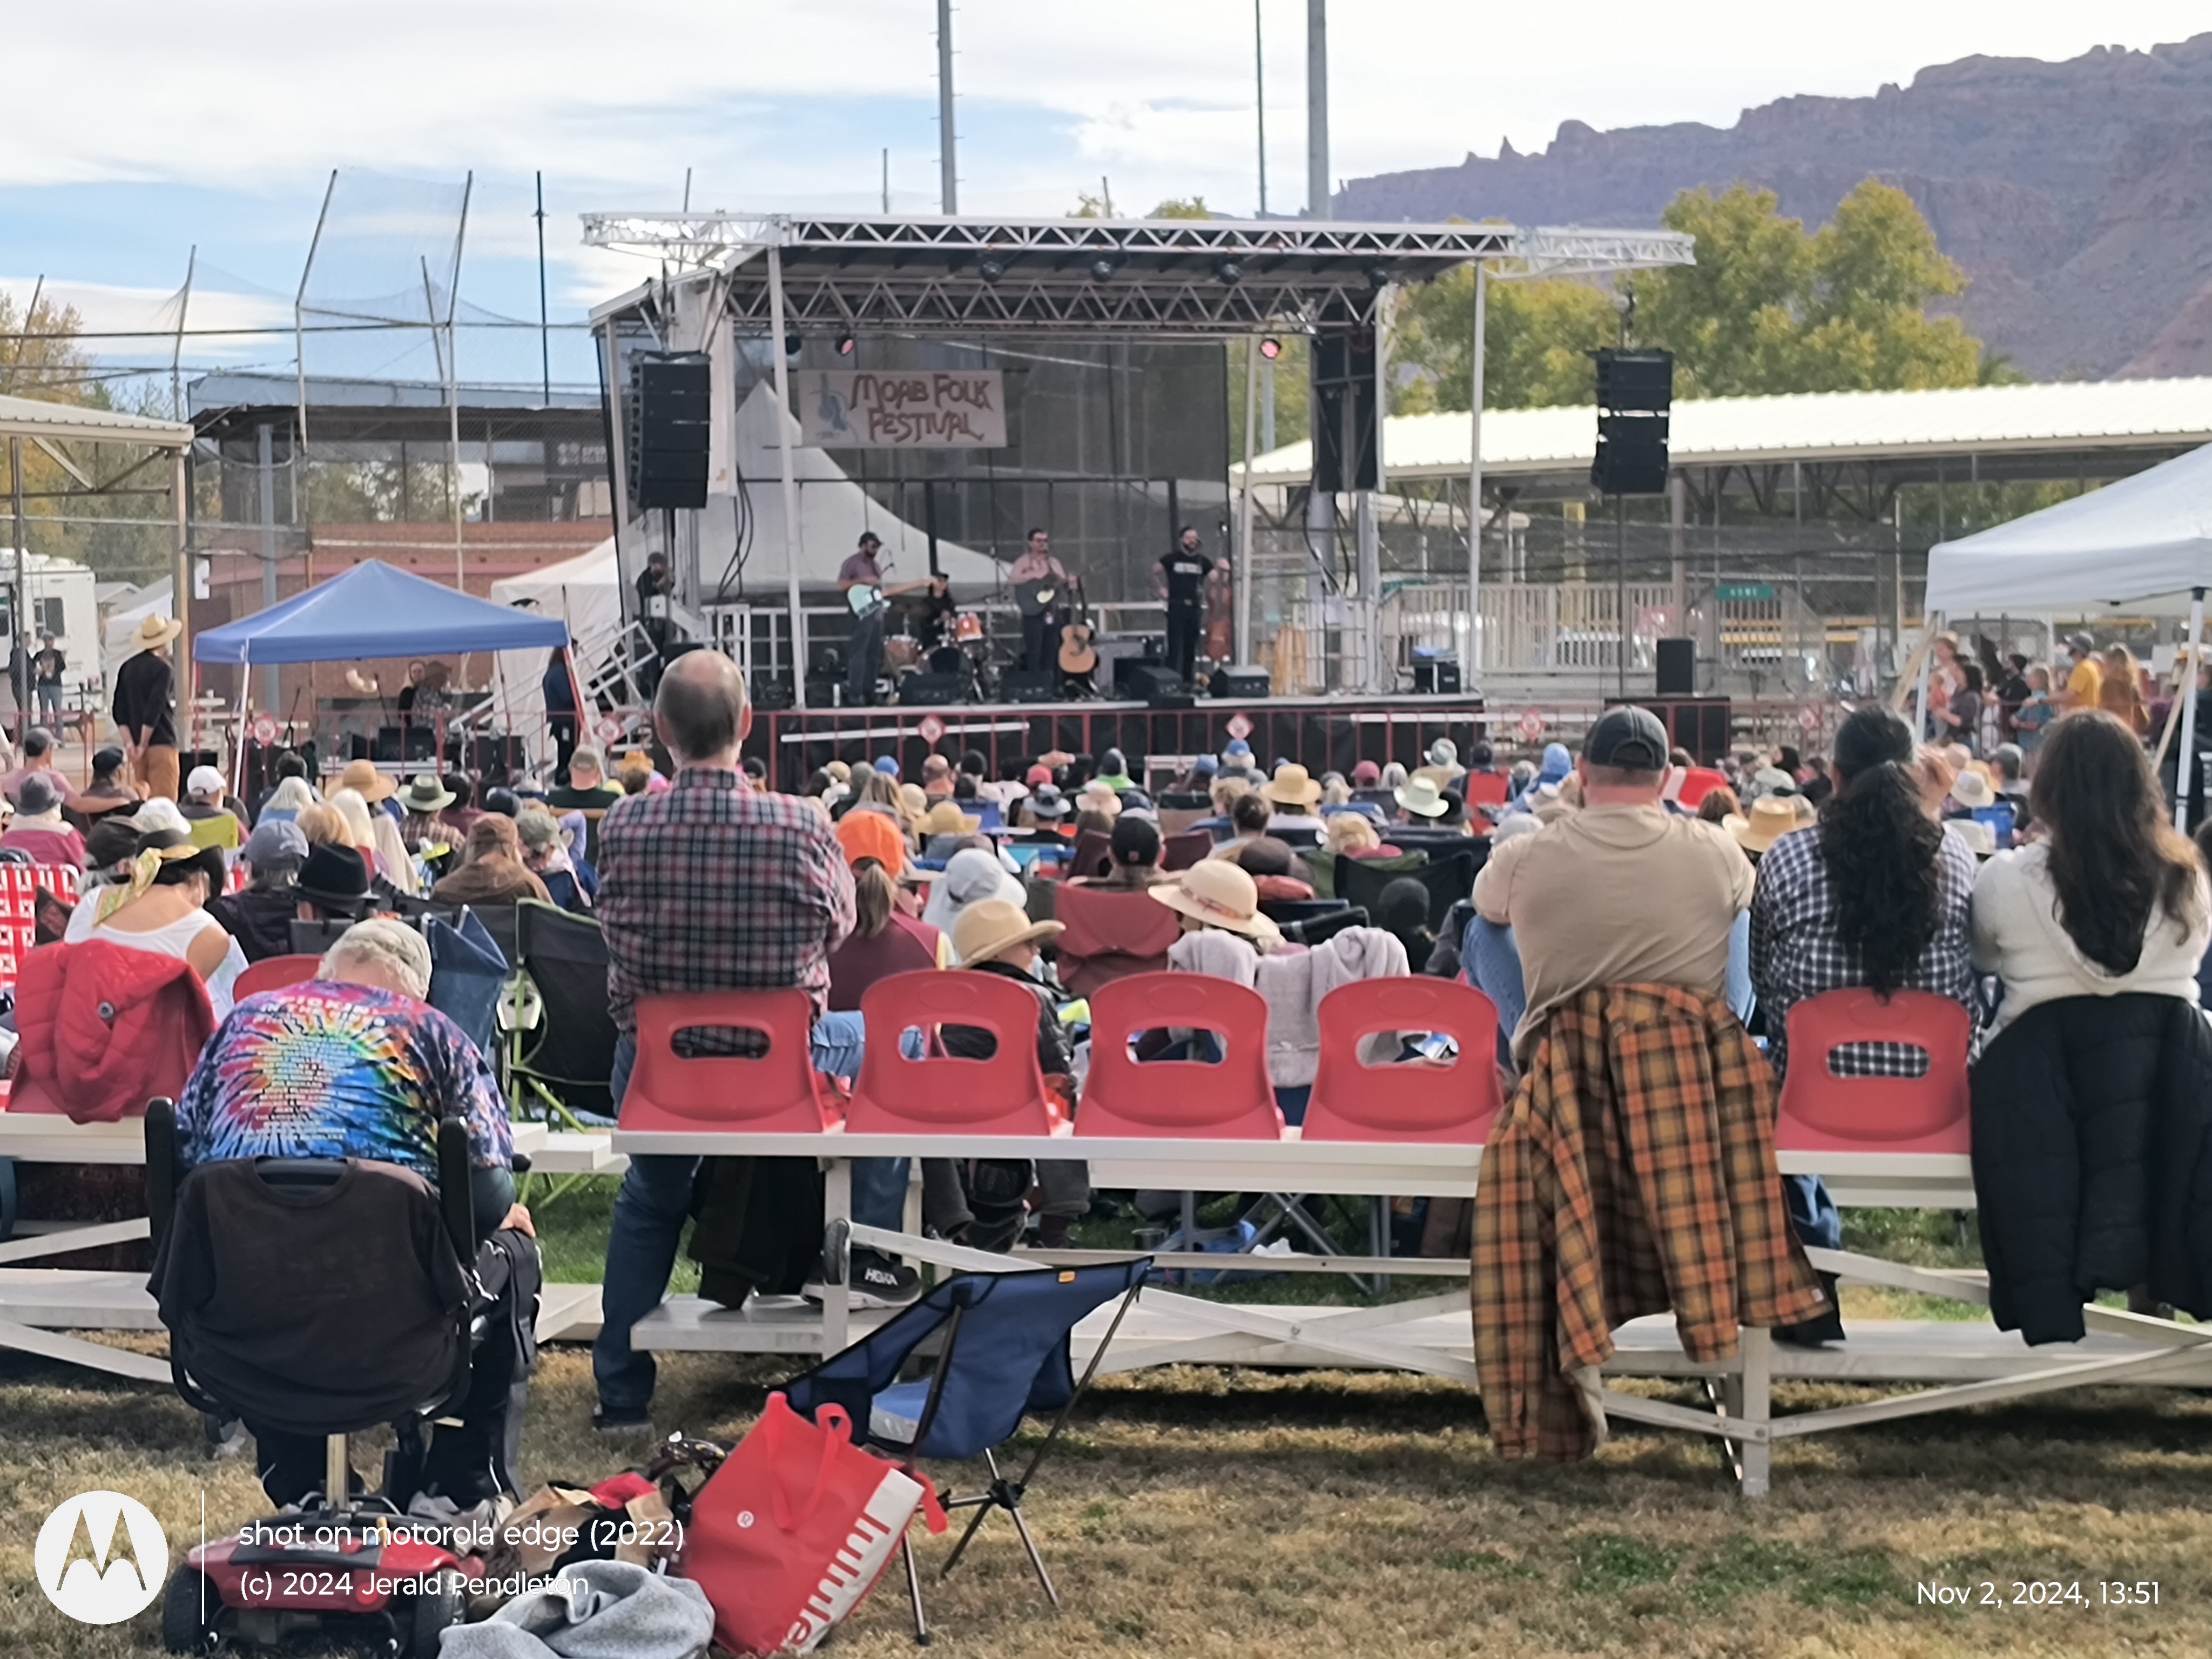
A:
x,y
1200,1512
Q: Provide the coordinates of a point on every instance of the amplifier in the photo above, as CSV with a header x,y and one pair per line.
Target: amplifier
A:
x,y
1148,680
821,693
1175,695
915,690
772,691
1436,677
1242,680
1030,685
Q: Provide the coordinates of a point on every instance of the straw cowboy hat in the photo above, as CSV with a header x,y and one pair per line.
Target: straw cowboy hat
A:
x,y
1770,818
426,794
1292,786
1219,894
374,785
155,631
946,819
1981,841
1973,790
1422,796
989,929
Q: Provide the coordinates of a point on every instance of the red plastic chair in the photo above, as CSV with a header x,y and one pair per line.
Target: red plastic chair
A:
x,y
1181,852
274,974
1698,782
1110,936
1487,788
940,1093
1232,1101
1355,1102
1822,1112
777,1091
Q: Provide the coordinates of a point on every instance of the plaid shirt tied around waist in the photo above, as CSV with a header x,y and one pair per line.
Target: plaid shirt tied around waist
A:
x,y
709,886
1634,1172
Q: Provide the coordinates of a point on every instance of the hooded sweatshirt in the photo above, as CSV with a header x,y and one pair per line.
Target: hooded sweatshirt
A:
x,y
1615,896
1292,982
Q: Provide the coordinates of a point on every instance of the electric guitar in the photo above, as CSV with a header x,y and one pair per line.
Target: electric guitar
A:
x,y
866,598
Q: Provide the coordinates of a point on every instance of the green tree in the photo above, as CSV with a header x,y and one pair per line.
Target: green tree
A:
x,y
1537,337
1088,206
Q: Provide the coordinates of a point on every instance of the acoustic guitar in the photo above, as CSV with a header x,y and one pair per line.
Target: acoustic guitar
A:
x,y
1079,656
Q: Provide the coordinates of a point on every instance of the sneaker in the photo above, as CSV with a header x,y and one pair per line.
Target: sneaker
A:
x,y
622,1419
877,1281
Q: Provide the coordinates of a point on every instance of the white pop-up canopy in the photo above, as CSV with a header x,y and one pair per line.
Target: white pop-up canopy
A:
x,y
2144,543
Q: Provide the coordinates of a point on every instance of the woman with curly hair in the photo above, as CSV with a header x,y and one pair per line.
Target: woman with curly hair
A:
x,y
2111,900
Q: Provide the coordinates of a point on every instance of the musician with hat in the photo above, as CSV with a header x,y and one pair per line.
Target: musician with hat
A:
x,y
145,706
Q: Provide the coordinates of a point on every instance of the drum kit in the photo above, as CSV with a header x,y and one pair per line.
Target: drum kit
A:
x,y
965,651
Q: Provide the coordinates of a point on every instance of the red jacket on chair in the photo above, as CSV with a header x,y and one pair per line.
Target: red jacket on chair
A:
x,y
104,1029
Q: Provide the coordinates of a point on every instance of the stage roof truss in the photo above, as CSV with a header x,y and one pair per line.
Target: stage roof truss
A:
x,y
1164,278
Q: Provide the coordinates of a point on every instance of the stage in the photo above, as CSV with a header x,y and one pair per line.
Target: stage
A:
x,y
1323,734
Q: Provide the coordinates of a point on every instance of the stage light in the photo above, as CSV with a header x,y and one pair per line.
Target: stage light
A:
x,y
844,345
991,270
1102,269
1271,347
791,343
1229,273
1378,276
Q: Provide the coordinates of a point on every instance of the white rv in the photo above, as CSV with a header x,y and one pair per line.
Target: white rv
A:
x,y
63,603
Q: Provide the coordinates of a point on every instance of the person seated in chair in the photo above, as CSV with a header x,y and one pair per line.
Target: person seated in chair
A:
x,y
354,1064
494,872
333,885
259,917
37,762
37,830
159,907
1136,858
106,794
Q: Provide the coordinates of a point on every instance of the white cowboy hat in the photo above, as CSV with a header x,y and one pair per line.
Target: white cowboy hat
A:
x,y
1422,796
1973,790
1219,894
991,928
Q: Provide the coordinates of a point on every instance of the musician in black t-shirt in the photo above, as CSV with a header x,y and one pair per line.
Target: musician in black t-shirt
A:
x,y
1184,572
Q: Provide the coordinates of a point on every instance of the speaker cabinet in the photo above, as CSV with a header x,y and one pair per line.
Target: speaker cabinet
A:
x,y
916,690
1243,681
1678,668
1030,685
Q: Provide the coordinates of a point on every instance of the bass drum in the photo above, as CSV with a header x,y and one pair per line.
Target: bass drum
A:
x,y
902,651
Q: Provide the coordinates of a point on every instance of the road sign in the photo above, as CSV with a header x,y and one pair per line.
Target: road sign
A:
x,y
1238,727
265,729
609,729
1532,726
1809,718
931,728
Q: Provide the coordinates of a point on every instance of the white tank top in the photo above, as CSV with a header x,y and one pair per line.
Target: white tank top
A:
x,y
174,940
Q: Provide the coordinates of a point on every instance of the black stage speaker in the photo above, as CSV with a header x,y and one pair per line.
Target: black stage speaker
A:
x,y
1147,680
671,398
935,690
1436,677
1635,391
1173,695
821,693
771,691
1030,685
1678,668
1699,725
1241,680
1346,453
493,753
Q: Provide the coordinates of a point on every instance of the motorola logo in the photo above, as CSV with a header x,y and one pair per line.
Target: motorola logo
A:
x,y
101,1558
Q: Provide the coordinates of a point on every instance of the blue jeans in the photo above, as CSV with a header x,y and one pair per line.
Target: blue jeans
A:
x,y
1490,959
655,1201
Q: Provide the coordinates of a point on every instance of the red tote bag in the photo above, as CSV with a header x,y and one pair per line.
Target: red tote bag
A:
x,y
795,1530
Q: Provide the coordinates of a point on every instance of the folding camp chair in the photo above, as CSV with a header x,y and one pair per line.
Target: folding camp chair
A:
x,y
1448,879
996,1347
561,1039
274,974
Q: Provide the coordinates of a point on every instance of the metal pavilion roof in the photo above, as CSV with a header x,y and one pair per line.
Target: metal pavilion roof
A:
x,y
1149,277
2068,417
35,417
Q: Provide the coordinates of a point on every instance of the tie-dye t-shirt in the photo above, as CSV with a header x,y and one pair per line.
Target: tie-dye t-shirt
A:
x,y
324,1070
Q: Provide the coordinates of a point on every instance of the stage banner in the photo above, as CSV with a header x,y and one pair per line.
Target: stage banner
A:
x,y
862,409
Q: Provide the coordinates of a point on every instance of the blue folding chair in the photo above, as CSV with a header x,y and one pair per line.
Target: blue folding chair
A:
x,y
996,1349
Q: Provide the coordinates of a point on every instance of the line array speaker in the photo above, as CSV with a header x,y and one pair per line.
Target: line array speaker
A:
x,y
671,409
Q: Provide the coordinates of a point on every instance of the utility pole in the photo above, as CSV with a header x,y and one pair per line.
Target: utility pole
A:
x,y
545,336
948,188
1317,188
1260,101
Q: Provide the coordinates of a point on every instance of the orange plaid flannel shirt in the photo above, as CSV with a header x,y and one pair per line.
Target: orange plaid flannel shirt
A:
x,y
1634,1172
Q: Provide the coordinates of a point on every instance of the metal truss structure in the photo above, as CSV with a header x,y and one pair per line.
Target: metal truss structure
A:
x,y
1155,278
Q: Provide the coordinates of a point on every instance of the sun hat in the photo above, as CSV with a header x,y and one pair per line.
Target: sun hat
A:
x,y
864,833
1422,796
203,780
946,819
1769,819
156,630
363,775
1366,776
2082,639
427,793
1099,796
912,801
1973,790
1292,786
160,814
277,841
36,796
1047,802
1981,840
1443,752
991,928
336,877
1220,894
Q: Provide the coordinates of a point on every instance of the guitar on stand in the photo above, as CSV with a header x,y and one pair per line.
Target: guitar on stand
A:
x,y
1078,653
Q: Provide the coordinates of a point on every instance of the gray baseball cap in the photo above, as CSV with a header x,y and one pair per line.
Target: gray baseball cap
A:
x,y
1629,737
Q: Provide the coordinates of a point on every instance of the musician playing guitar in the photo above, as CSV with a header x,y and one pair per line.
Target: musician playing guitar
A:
x,y
1040,585
860,580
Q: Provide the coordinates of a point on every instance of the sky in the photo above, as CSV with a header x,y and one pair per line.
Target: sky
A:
x,y
138,130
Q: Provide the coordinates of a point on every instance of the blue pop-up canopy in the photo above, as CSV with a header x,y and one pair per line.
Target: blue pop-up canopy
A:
x,y
376,610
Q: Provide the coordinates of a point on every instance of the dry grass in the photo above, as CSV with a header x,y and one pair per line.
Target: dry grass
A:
x,y
1203,1513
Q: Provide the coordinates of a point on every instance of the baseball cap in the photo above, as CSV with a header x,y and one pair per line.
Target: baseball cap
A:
x,y
887,766
2082,640
1038,774
1628,737
203,780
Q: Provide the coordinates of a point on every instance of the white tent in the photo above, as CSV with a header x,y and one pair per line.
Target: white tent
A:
x,y
2145,539
2145,542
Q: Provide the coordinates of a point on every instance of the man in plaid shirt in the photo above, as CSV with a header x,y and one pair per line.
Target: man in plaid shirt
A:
x,y
710,886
